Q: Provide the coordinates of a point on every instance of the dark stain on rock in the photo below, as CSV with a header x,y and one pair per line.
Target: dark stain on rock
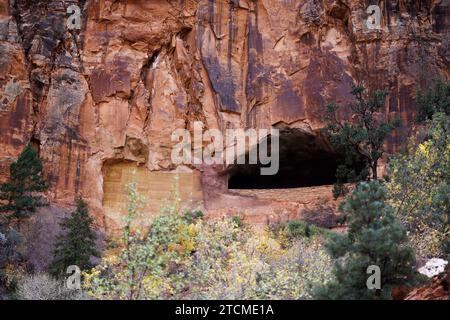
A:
x,y
230,34
18,118
393,98
307,39
221,76
289,105
69,162
326,81
441,17
407,103
223,84
257,72
254,36
211,13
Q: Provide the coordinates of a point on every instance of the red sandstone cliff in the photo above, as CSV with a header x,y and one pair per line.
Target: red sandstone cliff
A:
x,y
99,100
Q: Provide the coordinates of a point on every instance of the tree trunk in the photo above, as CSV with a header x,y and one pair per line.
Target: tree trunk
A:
x,y
374,170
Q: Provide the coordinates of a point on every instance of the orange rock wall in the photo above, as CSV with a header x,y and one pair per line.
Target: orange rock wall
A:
x,y
114,91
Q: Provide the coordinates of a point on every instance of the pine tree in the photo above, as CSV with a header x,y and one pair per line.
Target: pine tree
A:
x,y
76,245
362,138
374,238
19,194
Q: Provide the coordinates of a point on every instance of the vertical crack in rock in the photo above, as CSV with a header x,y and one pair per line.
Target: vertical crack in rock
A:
x,y
144,74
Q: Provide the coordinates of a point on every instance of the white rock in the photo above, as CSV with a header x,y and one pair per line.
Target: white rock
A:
x,y
433,267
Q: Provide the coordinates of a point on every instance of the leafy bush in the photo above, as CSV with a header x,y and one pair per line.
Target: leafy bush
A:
x,y
146,264
436,99
10,258
178,258
419,186
256,266
11,275
237,220
193,215
210,261
300,229
9,241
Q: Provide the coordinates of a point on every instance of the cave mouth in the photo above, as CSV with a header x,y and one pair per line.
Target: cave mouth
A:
x,y
306,159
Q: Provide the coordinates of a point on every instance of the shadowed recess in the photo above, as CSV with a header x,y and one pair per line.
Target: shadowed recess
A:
x,y
306,159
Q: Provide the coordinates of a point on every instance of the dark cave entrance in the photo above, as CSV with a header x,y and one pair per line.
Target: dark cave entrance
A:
x,y
306,159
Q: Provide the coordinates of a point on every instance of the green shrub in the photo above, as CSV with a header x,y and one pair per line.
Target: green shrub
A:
x,y
192,216
300,229
436,99
237,220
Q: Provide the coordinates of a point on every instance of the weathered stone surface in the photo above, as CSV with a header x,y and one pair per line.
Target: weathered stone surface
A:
x,y
437,289
16,105
113,92
159,189
433,267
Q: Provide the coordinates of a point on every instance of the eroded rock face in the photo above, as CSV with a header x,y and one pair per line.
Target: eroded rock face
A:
x,y
437,289
114,91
